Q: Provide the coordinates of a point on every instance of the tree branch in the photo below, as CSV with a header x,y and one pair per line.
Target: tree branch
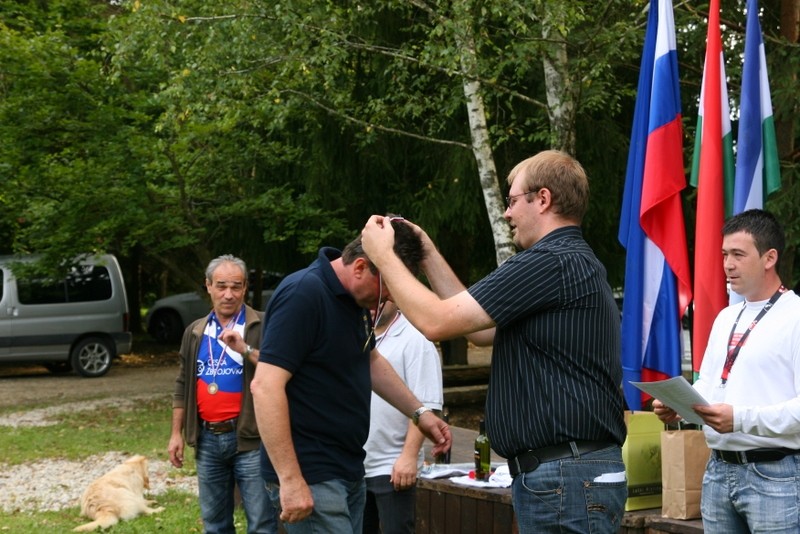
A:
x,y
372,125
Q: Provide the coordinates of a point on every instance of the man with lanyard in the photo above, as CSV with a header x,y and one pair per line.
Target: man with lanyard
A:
x,y
554,406
312,388
212,406
750,377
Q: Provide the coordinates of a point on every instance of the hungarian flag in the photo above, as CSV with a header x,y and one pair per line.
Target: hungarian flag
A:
x,y
657,277
712,174
757,168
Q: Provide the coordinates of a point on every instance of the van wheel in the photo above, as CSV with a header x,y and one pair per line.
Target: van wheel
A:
x,y
91,357
166,327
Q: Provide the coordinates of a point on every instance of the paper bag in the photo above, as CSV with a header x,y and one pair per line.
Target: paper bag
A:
x,y
642,456
684,454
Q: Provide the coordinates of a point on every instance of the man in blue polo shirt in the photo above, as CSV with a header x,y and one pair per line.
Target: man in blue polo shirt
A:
x,y
312,388
554,407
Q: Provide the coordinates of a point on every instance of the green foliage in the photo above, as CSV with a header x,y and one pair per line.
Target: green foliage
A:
x,y
143,430
170,132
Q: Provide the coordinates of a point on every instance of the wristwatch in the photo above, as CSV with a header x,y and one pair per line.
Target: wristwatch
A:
x,y
248,351
419,411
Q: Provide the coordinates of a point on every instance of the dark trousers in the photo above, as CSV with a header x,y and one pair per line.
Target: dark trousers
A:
x,y
388,511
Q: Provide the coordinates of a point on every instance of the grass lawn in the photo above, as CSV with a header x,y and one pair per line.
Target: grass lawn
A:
x,y
141,430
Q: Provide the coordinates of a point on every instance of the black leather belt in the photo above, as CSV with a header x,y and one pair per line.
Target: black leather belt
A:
x,y
753,456
530,460
220,427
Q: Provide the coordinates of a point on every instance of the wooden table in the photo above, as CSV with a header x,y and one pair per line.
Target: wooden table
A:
x,y
447,508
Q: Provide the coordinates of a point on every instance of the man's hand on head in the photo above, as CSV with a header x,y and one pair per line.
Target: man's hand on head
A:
x,y
377,237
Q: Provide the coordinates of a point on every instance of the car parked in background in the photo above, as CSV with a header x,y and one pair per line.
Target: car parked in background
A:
x,y
167,318
76,322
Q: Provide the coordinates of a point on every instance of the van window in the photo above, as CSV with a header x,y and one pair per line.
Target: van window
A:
x,y
86,283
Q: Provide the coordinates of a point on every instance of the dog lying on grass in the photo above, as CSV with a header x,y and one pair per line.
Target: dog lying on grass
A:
x,y
117,495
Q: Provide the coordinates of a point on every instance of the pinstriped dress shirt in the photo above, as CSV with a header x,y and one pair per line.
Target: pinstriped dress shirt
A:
x,y
556,368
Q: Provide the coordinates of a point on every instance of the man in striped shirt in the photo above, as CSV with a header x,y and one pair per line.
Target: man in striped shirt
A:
x,y
554,407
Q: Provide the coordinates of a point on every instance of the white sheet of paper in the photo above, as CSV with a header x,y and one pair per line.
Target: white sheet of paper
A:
x,y
676,393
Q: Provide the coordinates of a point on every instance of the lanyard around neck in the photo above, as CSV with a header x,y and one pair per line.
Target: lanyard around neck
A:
x,y
212,320
734,352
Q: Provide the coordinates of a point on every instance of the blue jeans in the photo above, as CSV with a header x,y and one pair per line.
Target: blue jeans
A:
x,y
759,497
338,507
388,511
219,466
562,496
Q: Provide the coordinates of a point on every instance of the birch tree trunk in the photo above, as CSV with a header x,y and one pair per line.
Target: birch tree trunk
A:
x,y
560,93
464,39
482,150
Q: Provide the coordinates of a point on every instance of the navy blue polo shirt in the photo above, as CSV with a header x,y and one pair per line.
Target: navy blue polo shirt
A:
x,y
314,329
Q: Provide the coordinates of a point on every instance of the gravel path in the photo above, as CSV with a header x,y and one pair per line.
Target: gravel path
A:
x,y
54,484
51,485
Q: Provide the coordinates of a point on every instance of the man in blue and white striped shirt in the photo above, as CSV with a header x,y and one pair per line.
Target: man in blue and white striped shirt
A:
x,y
554,407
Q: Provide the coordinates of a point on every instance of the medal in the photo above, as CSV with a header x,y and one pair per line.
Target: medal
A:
x,y
212,388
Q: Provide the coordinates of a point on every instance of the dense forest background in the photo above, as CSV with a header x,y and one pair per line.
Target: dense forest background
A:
x,y
168,132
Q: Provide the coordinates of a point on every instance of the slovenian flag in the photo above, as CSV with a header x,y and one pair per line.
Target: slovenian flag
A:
x,y
657,277
712,174
757,168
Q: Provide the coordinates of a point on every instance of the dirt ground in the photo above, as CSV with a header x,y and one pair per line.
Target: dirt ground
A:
x,y
151,369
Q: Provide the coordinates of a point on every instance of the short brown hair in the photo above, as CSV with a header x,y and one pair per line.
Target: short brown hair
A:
x,y
762,225
407,246
562,175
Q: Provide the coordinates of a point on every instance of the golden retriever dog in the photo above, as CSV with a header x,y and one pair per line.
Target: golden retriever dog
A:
x,y
119,494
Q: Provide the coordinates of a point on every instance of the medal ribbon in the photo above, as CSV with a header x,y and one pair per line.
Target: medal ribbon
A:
x,y
733,352
386,330
215,367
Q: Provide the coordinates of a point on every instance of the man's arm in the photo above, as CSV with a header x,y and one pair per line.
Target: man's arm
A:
x,y
404,470
387,384
176,444
445,283
272,417
421,370
437,319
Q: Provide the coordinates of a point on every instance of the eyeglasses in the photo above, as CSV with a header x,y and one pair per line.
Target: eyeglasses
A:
x,y
511,199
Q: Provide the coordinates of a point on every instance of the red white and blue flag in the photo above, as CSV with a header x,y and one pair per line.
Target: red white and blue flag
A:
x,y
657,277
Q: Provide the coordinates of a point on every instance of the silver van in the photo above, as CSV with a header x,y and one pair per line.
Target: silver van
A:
x,y
78,322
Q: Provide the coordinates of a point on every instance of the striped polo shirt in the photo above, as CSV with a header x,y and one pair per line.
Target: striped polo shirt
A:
x,y
556,369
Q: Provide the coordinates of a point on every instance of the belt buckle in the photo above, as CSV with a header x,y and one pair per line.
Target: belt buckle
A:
x,y
531,463
218,427
741,456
